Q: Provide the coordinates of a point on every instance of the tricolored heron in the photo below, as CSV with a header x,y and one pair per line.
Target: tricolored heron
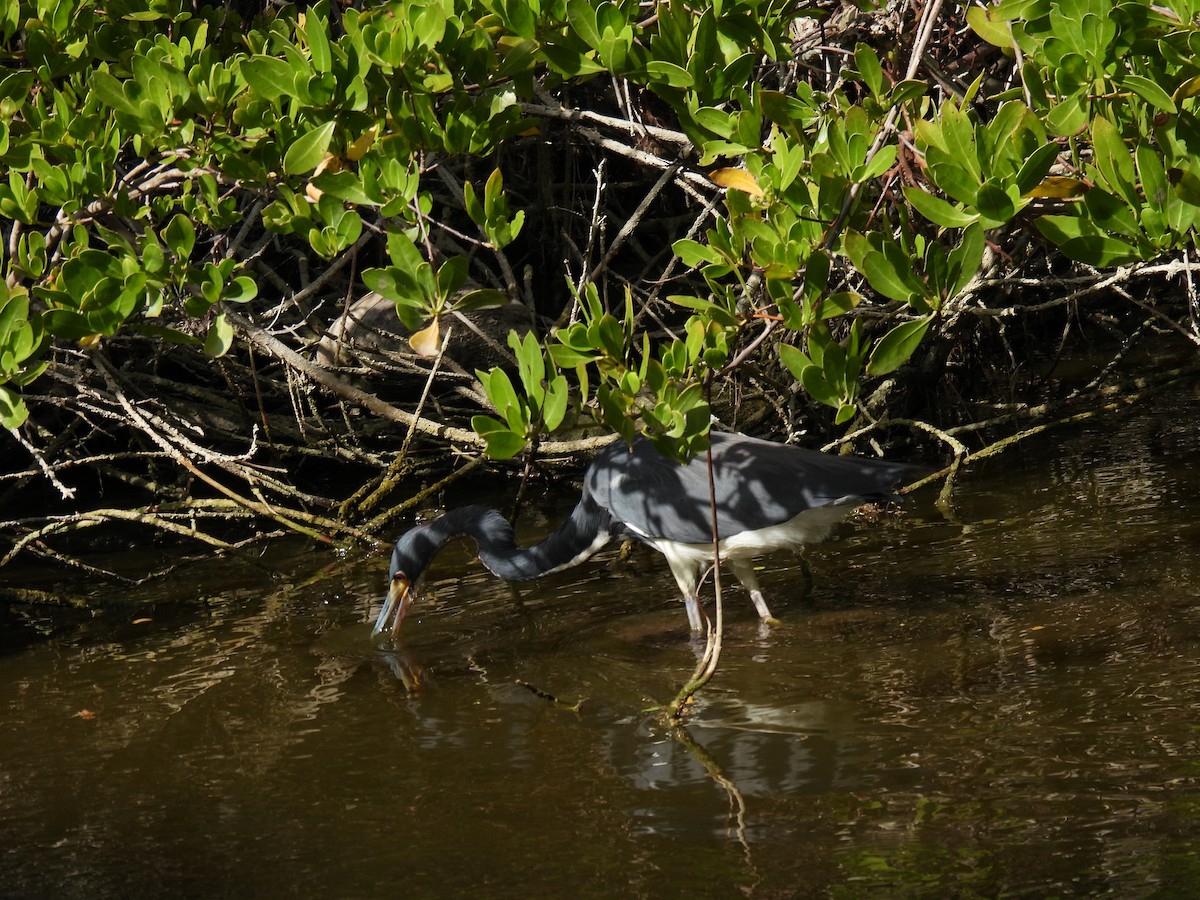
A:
x,y
769,497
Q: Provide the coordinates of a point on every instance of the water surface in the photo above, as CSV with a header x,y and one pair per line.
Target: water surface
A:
x,y
999,704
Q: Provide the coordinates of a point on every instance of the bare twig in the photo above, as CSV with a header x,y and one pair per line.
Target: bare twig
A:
x,y
373,404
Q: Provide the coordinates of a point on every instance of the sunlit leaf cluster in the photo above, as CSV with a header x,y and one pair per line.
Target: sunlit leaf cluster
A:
x,y
152,151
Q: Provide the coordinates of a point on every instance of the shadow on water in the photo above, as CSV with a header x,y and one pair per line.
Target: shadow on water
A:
x,y
1003,704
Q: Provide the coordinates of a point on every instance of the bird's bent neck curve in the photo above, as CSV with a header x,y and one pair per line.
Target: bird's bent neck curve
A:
x,y
582,534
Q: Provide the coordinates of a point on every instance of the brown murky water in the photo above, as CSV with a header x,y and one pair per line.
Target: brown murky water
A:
x,y
1005,704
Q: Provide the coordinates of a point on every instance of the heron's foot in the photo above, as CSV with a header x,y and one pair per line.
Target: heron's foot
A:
x,y
760,604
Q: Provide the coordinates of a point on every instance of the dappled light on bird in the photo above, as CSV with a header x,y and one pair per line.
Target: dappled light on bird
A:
x,y
769,497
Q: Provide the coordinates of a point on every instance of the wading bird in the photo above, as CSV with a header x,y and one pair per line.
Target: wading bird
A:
x,y
769,497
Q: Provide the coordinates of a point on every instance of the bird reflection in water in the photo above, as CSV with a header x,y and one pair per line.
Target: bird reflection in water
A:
x,y
404,666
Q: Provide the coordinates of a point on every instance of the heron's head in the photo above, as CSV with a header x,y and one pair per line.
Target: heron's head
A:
x,y
409,558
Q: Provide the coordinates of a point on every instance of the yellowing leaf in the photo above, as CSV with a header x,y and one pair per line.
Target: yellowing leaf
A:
x,y
1189,88
330,163
1058,187
737,179
359,148
89,342
427,341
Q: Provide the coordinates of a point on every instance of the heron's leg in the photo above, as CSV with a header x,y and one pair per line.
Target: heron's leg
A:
x,y
687,576
743,571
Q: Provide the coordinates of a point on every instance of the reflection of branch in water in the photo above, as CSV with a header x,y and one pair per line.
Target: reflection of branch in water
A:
x,y
737,803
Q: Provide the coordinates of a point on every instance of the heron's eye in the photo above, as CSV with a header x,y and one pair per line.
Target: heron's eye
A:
x,y
399,576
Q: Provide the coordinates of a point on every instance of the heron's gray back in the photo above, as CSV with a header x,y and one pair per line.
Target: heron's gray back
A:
x,y
758,484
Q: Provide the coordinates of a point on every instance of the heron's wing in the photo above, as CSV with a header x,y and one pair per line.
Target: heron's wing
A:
x,y
758,484
652,495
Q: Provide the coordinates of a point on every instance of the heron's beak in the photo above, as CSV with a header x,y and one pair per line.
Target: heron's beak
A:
x,y
395,606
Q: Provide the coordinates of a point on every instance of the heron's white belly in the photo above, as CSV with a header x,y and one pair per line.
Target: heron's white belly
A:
x,y
809,527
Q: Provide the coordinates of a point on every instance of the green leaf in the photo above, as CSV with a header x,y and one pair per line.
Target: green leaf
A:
x,y
959,136
170,335
1068,117
937,210
180,237
566,357
1060,229
220,337
568,61
474,207
452,275
307,151
1034,169
531,366
66,323
484,298
794,359
1101,252
582,15
838,304
675,76
994,203
1150,91
499,440
869,68
240,290
1153,176
954,181
907,91
349,186
14,313
1111,213
1185,185
816,385
693,253
895,347
965,260
707,308
500,391
1113,159
112,93
996,31
555,408
318,39
13,411
269,77
888,278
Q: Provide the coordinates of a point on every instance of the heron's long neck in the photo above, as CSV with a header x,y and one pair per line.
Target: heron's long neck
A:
x,y
586,531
